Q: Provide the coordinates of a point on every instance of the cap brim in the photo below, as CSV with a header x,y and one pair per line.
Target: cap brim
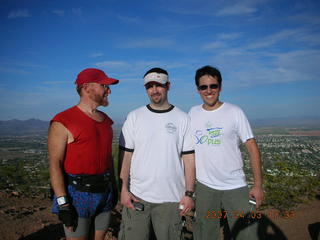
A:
x,y
153,82
109,81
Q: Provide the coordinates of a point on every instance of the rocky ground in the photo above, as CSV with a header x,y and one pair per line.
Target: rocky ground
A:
x,y
24,218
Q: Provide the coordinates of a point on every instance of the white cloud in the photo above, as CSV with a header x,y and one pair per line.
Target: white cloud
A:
x,y
20,13
300,65
215,44
312,39
111,64
56,82
14,70
59,12
228,36
138,66
308,18
147,43
272,42
127,19
221,41
250,69
236,9
274,38
97,54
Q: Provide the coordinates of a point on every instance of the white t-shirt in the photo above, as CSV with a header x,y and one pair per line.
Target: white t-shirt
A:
x,y
217,136
157,139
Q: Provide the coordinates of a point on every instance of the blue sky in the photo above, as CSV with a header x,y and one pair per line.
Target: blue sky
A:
x,y
268,52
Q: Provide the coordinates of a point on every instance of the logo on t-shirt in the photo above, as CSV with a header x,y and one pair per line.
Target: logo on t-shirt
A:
x,y
212,136
171,128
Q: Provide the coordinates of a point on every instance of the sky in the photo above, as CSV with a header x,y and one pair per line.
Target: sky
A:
x,y
268,52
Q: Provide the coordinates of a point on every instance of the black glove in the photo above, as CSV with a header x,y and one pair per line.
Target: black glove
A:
x,y
68,216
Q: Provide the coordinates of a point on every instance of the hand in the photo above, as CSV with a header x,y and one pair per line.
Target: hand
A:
x,y
68,216
127,198
257,193
188,205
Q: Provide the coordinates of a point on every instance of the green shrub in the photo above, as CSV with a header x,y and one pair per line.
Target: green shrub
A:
x,y
287,185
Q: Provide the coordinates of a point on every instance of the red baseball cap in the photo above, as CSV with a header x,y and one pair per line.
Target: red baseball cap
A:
x,y
95,75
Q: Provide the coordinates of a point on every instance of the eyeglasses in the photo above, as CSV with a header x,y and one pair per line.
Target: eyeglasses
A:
x,y
148,86
105,86
205,87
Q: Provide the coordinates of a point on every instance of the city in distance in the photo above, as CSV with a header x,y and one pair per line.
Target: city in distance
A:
x,y
36,126
288,148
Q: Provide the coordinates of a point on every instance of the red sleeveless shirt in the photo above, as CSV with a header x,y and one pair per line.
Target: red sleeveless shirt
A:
x,y
91,150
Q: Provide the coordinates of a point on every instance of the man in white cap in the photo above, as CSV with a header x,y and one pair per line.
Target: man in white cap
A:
x,y
157,184
80,155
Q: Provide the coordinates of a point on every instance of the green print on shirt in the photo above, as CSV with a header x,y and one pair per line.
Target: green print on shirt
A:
x,y
211,139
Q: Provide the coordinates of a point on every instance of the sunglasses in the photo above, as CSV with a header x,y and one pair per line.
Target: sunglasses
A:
x,y
148,86
205,87
105,86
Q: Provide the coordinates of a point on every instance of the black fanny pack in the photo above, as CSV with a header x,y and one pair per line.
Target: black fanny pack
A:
x,y
91,183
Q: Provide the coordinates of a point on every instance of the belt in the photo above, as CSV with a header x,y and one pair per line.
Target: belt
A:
x,y
90,183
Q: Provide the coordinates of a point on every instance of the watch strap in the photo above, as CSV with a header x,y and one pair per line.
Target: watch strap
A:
x,y
189,194
62,200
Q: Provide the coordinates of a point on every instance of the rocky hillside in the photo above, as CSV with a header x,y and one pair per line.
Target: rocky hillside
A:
x,y
24,218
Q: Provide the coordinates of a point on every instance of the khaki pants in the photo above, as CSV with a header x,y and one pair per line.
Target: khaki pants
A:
x,y
164,217
235,202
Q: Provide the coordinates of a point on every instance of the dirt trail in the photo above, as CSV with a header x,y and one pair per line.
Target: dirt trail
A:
x,y
31,219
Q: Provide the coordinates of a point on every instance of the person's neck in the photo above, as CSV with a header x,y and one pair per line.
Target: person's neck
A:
x,y
211,108
88,108
163,106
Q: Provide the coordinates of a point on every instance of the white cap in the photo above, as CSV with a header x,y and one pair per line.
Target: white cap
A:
x,y
156,77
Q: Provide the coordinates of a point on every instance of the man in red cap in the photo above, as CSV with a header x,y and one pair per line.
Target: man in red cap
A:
x,y
80,156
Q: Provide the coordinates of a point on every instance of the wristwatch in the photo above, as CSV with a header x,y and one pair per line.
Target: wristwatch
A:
x,y
62,200
189,194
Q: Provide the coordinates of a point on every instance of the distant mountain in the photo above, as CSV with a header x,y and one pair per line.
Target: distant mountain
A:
x,y
36,126
287,122
19,127
32,126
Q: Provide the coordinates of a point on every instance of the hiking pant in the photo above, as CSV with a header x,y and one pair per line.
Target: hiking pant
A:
x,y
237,210
164,217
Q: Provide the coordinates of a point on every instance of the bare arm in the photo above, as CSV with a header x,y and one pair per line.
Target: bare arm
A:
x,y
190,174
126,195
256,165
57,142
58,138
190,170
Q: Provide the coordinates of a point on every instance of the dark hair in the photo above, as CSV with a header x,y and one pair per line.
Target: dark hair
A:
x,y
157,70
208,70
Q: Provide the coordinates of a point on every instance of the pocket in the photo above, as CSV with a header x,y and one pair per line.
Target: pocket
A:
x,y
121,235
176,232
177,225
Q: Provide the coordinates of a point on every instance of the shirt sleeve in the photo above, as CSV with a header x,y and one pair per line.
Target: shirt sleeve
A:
x,y
243,126
188,144
126,140
66,119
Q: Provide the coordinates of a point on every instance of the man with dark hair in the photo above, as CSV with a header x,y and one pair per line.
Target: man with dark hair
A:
x,y
157,170
80,156
217,128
